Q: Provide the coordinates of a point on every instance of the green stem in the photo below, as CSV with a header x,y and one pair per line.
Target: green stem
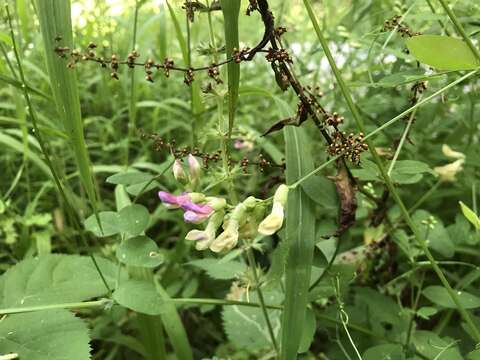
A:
x,y
402,141
253,266
420,240
77,305
132,109
442,25
460,29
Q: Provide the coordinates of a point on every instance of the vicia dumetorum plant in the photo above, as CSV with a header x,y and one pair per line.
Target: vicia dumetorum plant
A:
x,y
227,179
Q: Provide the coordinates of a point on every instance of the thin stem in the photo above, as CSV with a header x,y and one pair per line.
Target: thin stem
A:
x,y
420,103
108,302
253,266
77,305
420,240
132,109
43,149
414,308
442,25
460,29
424,197
327,268
402,141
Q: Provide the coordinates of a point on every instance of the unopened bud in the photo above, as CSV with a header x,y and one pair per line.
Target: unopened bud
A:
x,y
178,172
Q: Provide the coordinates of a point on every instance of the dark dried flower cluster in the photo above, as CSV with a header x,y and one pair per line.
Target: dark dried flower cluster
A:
x,y
333,119
395,23
350,146
160,144
280,55
149,65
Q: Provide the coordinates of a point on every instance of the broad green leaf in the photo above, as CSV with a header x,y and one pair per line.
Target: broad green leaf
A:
x,y
430,345
140,296
439,295
144,187
385,352
426,312
45,335
442,52
409,171
322,191
129,178
110,224
139,251
470,215
53,279
435,233
246,327
121,197
231,11
300,236
133,219
400,78
367,172
220,270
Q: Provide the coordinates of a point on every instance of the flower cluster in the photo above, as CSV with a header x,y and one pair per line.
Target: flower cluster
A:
x,y
243,221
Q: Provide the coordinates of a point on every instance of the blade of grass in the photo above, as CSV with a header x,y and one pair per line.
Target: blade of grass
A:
x,y
132,108
388,182
174,327
231,10
196,105
44,150
300,235
55,20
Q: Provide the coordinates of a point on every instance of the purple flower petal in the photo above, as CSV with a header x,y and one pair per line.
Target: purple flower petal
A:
x,y
200,209
193,217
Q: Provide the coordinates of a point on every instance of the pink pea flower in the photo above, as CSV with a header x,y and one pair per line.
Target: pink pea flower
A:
x,y
194,213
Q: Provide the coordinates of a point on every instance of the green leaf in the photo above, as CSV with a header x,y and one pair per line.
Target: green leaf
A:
x,y
470,215
300,236
400,78
426,312
368,172
133,219
55,20
139,251
385,352
322,191
53,279
110,224
435,234
231,11
430,345
129,178
442,52
140,296
308,331
45,335
246,327
439,296
220,270
409,171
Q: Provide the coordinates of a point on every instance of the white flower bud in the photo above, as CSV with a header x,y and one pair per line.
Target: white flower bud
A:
x,y
228,238
178,172
449,152
447,172
281,194
194,168
273,222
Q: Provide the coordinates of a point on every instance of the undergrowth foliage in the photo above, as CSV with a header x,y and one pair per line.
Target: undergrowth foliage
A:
x,y
292,180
